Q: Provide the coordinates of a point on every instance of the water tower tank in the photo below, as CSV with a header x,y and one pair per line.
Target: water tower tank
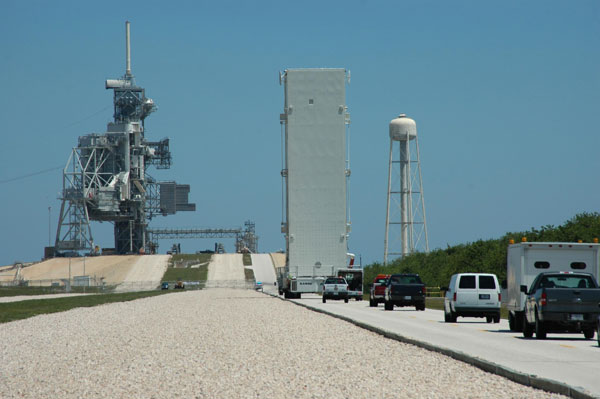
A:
x,y
403,128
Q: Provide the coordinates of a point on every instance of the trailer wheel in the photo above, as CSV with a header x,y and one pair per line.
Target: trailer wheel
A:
x,y
324,300
345,300
388,305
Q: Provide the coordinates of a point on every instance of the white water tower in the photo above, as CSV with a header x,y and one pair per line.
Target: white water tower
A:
x,y
405,222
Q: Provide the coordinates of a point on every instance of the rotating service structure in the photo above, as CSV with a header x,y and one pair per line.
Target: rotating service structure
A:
x,y
106,177
405,221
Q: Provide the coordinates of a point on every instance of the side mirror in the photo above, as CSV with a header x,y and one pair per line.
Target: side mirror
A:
x,y
524,289
504,284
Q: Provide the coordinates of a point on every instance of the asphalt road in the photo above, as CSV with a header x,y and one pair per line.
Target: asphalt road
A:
x,y
566,358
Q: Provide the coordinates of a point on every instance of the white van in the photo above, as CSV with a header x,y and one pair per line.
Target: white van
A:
x,y
472,295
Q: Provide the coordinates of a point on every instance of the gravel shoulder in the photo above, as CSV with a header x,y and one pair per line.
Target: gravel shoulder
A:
x,y
224,343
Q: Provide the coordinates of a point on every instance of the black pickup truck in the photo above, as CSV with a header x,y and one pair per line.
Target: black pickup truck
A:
x,y
561,302
404,290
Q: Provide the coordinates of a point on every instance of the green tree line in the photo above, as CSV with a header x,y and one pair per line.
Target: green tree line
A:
x,y
483,256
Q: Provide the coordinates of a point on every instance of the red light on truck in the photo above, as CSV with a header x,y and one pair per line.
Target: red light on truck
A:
x,y
499,297
454,297
424,290
543,299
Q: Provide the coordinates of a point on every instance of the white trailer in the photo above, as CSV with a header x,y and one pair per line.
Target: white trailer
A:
x,y
315,174
526,260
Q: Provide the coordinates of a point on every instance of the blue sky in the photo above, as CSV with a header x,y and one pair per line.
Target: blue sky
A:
x,y
505,95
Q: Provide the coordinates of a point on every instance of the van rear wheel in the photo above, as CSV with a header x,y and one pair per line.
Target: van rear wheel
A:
x,y
589,333
488,319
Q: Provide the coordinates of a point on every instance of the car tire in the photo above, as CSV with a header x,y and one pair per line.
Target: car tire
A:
x,y
488,319
372,303
589,333
511,322
388,305
447,317
540,331
497,319
527,328
345,300
324,299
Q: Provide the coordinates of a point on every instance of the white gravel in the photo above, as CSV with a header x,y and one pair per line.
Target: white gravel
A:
x,y
224,343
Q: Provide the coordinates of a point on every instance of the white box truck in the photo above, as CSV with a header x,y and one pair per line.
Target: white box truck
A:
x,y
525,260
315,172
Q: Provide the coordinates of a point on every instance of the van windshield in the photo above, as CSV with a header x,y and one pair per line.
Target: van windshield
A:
x,y
487,282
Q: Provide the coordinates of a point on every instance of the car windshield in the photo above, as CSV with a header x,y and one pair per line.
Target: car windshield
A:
x,y
381,280
405,280
567,281
335,281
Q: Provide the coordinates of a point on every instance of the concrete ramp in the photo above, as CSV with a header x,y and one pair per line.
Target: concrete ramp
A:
x,y
145,273
225,267
264,271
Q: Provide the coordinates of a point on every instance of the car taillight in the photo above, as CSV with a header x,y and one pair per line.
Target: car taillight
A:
x,y
454,297
499,297
543,300
424,290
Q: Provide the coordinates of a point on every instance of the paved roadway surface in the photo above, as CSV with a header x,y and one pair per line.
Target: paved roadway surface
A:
x,y
263,269
566,358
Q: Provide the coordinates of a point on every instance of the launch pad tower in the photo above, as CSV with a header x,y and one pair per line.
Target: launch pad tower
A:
x,y
106,176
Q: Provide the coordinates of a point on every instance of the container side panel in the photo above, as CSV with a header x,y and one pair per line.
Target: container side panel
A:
x,y
316,183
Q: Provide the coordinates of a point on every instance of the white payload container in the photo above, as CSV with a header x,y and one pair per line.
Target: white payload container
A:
x,y
315,177
525,260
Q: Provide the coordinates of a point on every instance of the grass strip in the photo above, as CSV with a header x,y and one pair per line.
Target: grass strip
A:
x,y
24,309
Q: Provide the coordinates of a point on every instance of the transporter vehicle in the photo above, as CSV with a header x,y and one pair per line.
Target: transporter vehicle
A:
x,y
525,260
179,285
258,286
404,290
377,293
335,288
315,174
354,278
561,302
164,285
472,295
